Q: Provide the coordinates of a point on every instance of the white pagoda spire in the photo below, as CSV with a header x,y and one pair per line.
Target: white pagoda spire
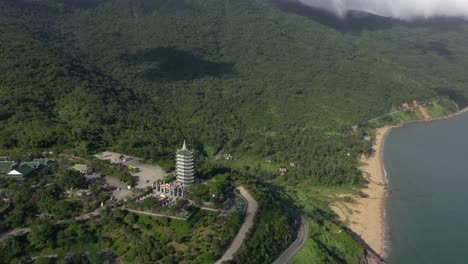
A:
x,y
184,165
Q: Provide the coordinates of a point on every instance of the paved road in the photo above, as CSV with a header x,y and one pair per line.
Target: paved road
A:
x,y
87,216
154,214
120,193
22,231
252,207
15,232
45,256
210,209
218,155
302,235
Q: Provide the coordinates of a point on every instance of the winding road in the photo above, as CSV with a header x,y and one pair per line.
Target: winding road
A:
x,y
252,207
302,235
154,214
22,231
14,232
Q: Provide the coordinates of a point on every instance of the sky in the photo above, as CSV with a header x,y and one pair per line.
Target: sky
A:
x,y
402,9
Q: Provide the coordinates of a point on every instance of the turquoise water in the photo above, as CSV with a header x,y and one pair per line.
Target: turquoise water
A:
x,y
427,208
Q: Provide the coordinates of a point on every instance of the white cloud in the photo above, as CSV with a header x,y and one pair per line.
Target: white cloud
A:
x,y
404,9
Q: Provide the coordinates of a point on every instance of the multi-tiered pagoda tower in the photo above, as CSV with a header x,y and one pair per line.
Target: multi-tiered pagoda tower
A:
x,y
184,165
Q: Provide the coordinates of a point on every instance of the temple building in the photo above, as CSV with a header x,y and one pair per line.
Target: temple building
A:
x,y
184,165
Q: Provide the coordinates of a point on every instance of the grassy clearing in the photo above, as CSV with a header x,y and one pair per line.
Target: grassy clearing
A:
x,y
406,116
441,108
396,118
328,241
435,109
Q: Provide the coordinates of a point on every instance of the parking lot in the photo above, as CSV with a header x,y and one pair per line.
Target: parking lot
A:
x,y
147,173
120,193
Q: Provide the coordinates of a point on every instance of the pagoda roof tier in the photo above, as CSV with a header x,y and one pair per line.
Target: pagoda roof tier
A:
x,y
184,156
184,168
187,173
184,160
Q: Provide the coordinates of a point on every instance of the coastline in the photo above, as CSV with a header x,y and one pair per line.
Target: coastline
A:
x,y
455,114
373,202
366,217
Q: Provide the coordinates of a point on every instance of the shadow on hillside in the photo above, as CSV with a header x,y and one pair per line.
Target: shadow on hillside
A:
x,y
437,23
439,48
146,6
356,21
84,4
150,5
167,63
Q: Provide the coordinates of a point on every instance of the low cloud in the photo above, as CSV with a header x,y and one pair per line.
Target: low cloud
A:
x,y
402,9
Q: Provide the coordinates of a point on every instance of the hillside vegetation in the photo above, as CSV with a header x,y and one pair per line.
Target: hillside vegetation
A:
x,y
139,76
256,78
87,73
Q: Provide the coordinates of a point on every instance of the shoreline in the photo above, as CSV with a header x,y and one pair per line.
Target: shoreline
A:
x,y
367,216
371,207
453,115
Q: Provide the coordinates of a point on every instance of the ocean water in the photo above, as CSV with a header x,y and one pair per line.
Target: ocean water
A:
x,y
427,207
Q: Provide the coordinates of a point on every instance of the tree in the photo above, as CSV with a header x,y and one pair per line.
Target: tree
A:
x,y
42,235
43,261
46,205
22,212
130,219
66,208
95,189
94,257
72,179
11,248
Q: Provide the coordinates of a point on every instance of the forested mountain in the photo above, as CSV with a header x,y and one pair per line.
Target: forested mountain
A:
x,y
261,79
141,75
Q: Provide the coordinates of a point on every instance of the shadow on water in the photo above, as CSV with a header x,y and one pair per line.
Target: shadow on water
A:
x,y
357,21
168,63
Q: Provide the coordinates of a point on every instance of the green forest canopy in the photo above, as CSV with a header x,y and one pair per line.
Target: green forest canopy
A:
x,y
142,75
258,77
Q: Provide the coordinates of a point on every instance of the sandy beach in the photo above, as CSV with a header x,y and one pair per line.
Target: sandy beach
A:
x,y
365,216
